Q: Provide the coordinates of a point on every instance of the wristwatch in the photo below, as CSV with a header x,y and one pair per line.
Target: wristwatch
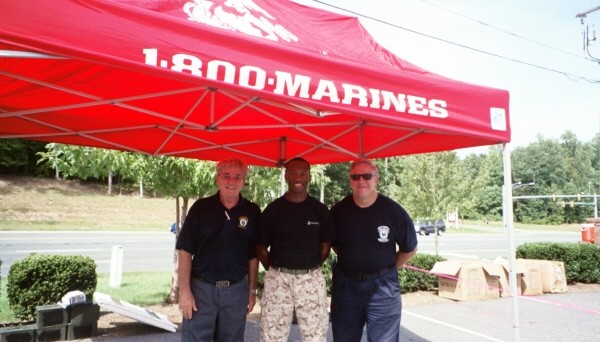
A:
x,y
254,291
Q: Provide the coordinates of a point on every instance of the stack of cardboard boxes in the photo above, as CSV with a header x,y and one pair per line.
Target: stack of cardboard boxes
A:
x,y
478,280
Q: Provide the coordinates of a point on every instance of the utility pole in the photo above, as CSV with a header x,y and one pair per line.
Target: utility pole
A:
x,y
586,33
586,44
585,13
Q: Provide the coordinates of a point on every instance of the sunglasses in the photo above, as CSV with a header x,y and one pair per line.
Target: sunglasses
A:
x,y
365,176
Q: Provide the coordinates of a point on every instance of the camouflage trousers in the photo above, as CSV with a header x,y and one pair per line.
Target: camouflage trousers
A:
x,y
282,293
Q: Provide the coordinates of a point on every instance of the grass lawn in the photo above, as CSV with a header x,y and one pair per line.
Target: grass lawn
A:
x,y
28,203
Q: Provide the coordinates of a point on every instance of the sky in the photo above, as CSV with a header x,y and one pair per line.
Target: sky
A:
x,y
532,48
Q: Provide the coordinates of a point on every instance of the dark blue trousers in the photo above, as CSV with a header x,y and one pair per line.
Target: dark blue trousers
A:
x,y
375,303
221,315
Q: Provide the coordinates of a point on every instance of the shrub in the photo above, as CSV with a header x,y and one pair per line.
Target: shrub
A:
x,y
416,276
44,279
581,260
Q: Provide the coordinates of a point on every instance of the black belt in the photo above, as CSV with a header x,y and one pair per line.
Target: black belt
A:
x,y
220,283
295,271
368,276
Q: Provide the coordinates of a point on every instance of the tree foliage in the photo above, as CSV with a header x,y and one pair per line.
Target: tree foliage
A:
x,y
427,185
19,157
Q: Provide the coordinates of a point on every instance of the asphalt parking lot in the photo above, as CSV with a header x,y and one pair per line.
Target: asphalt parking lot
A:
x,y
549,317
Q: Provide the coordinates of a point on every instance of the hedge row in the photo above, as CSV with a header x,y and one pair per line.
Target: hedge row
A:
x,y
581,260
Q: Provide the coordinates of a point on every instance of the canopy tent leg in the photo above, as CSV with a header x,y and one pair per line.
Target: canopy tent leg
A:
x,y
508,225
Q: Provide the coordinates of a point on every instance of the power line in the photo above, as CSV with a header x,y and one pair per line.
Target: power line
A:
x,y
566,74
504,31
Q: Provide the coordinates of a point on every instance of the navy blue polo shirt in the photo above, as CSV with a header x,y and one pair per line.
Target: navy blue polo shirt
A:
x,y
221,241
366,238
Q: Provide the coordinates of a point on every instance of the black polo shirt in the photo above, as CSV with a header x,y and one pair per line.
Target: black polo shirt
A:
x,y
221,241
294,232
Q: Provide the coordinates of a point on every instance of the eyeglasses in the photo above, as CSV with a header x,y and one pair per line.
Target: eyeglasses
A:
x,y
227,177
365,176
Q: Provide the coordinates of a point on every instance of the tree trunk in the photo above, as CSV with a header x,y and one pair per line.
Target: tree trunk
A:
x,y
174,293
109,183
322,194
141,189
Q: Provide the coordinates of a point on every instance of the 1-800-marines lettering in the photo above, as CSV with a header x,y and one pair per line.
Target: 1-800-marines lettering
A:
x,y
285,83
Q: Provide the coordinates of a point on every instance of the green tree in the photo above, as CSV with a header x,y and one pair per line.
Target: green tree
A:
x,y
427,185
84,162
263,185
562,167
484,173
338,185
18,157
181,178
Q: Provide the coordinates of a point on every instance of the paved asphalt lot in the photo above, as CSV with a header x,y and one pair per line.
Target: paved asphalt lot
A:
x,y
551,317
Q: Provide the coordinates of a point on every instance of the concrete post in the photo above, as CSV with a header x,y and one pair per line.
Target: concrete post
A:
x,y
116,267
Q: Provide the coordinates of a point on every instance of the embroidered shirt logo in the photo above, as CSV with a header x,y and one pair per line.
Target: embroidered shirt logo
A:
x,y
243,222
312,223
238,15
384,233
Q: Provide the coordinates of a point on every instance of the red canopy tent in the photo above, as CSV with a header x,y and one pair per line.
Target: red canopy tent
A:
x,y
262,80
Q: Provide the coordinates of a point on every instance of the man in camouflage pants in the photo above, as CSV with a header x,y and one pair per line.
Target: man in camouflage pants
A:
x,y
294,239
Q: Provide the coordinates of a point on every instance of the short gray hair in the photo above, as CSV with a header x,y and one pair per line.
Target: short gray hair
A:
x,y
230,164
363,161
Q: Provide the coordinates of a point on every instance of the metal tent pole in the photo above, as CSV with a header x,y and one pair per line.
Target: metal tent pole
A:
x,y
508,225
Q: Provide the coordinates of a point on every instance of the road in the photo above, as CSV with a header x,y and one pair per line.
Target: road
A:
x,y
492,244
142,251
153,251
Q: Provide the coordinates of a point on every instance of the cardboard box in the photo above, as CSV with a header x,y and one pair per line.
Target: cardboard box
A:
x,y
554,279
468,280
531,281
505,277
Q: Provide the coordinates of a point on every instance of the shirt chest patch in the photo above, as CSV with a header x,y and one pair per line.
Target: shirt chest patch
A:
x,y
243,222
384,233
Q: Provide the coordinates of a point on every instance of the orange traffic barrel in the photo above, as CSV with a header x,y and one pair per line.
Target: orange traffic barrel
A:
x,y
588,233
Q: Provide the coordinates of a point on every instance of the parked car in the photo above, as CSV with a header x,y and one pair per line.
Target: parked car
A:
x,y
426,227
441,226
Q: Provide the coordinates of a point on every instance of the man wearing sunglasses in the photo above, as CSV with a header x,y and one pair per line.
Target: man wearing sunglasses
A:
x,y
374,237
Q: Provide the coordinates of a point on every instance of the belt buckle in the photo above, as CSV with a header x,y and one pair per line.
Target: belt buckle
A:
x,y
222,283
